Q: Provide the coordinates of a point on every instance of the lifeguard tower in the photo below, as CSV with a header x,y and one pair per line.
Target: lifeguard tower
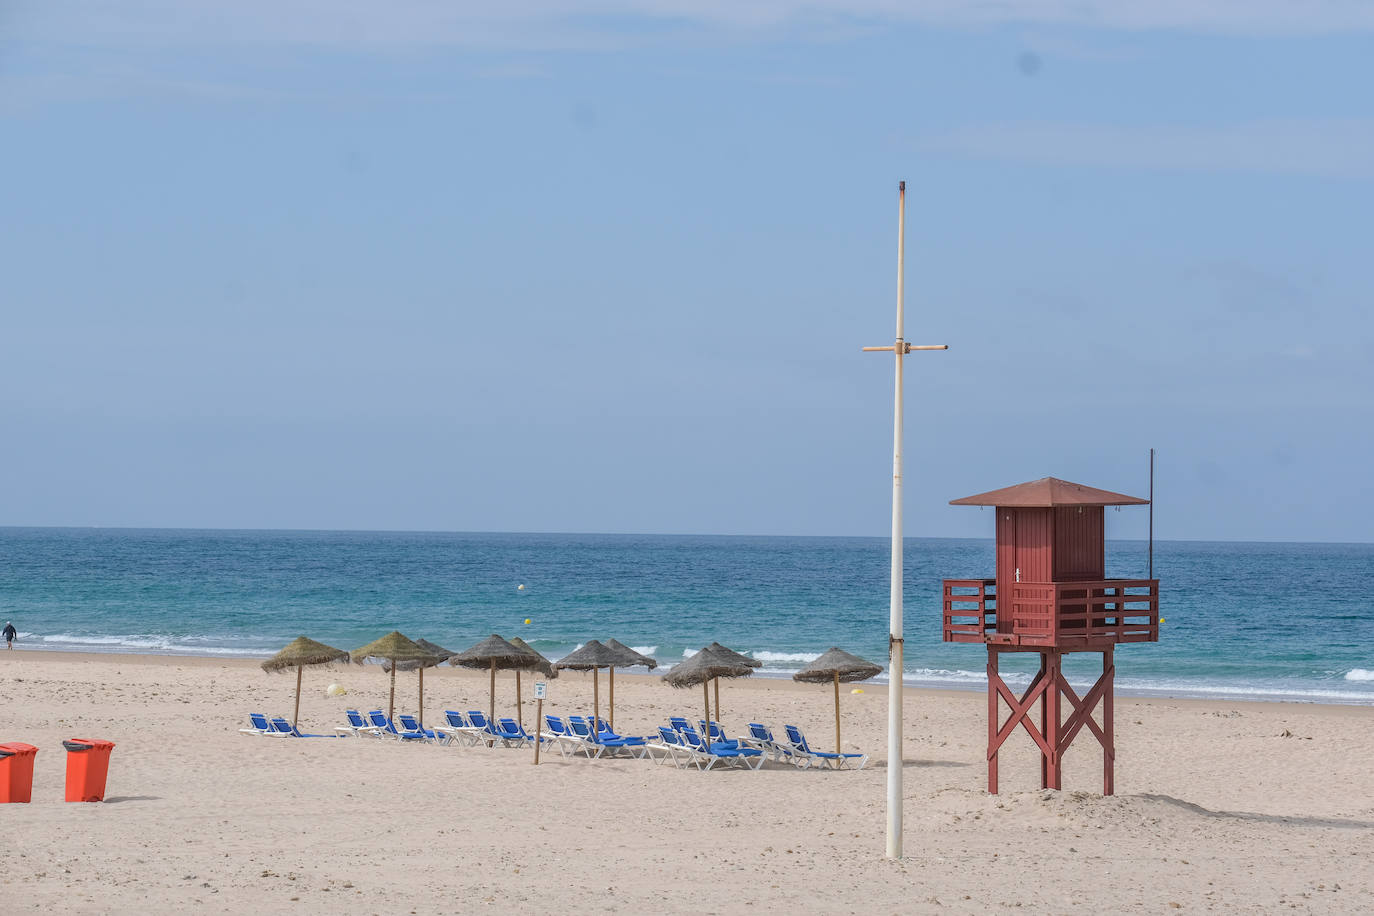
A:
x,y
1050,595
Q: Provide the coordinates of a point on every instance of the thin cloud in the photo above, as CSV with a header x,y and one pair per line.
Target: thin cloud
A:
x,y
1339,148
551,24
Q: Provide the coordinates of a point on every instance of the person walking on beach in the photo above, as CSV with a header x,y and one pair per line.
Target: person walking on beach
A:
x,y
10,633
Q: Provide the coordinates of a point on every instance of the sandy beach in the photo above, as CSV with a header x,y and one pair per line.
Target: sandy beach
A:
x,y
1220,806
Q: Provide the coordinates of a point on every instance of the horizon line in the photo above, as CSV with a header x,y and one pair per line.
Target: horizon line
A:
x,y
656,534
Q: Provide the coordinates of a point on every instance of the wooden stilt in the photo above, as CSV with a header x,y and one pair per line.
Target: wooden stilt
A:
x,y
422,697
491,701
717,718
1108,697
596,701
519,706
610,714
1055,681
993,716
1044,730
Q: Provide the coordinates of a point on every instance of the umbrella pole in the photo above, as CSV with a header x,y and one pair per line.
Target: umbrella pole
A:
x,y
706,699
611,715
422,696
708,723
596,702
296,716
391,707
837,712
491,705
519,707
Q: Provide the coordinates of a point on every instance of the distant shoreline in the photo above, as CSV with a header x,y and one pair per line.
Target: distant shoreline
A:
x,y
762,677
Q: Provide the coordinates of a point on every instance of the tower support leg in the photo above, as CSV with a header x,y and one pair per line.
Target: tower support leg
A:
x,y
993,743
1052,665
1109,738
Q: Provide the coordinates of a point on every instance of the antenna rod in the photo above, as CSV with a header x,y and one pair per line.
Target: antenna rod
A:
x,y
1152,515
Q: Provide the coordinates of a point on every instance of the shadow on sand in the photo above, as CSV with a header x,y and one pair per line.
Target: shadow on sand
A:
x,y
1341,823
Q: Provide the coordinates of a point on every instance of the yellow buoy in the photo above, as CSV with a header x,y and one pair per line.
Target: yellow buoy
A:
x,y
527,620
520,588
857,690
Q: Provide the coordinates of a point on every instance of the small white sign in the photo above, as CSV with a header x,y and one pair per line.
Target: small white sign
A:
x,y
541,690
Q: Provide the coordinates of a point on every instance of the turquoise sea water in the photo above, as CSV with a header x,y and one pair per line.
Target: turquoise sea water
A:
x,y
1242,620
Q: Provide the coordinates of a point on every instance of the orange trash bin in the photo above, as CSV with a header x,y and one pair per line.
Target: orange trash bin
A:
x,y
88,762
16,772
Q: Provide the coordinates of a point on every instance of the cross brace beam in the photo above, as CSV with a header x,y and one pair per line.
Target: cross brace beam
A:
x,y
1053,736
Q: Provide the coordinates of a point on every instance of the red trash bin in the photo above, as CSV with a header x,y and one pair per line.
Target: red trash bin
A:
x,y
88,762
16,772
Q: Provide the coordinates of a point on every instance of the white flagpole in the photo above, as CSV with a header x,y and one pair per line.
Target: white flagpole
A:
x,y
894,668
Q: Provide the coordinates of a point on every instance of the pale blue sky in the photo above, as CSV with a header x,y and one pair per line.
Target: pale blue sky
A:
x,y
359,265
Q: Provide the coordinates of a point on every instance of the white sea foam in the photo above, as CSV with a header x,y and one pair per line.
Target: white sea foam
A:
x,y
763,655
1359,674
645,650
144,642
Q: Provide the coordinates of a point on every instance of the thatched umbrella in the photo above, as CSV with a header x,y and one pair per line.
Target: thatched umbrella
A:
x,y
298,653
394,648
538,663
440,654
494,653
705,666
734,657
592,656
837,665
630,658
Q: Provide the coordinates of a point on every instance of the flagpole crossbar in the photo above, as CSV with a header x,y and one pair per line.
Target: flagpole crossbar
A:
x,y
906,348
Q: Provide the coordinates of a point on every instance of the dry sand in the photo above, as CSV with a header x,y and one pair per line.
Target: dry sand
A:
x,y
1221,806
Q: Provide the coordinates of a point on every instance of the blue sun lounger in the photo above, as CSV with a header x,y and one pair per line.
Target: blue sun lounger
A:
x,y
761,737
458,728
512,732
411,724
751,758
356,726
389,730
582,729
670,746
479,720
284,727
568,743
260,727
826,758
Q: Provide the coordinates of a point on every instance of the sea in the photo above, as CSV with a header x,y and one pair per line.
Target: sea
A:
x,y
1241,621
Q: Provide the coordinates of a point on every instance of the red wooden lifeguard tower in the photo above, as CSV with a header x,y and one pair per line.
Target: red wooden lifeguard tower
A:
x,y
1051,596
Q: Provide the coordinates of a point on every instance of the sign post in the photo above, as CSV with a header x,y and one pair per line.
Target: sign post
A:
x,y
540,691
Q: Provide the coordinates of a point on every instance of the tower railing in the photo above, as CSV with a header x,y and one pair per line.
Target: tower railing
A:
x,y
1063,614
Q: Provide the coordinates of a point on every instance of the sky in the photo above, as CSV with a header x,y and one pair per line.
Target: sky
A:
x,y
438,266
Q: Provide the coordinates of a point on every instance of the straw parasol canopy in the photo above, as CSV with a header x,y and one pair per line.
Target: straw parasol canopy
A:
x,y
495,653
298,653
637,658
592,656
837,666
440,654
731,654
707,665
629,658
541,664
395,648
